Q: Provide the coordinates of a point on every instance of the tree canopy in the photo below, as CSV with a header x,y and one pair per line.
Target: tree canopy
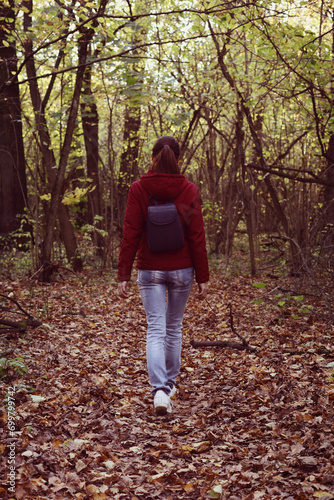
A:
x,y
246,88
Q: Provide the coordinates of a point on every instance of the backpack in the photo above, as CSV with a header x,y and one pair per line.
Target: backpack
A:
x,y
164,227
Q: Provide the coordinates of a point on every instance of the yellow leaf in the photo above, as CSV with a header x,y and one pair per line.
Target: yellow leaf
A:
x,y
46,197
189,487
56,443
72,197
322,494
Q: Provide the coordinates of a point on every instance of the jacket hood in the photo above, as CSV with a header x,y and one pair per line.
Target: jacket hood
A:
x,y
163,186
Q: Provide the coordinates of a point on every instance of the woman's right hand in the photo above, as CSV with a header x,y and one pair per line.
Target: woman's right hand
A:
x,y
202,291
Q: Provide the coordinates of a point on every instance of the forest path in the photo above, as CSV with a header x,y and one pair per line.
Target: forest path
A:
x,y
244,425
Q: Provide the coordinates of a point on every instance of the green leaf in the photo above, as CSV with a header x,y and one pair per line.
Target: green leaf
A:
x,y
259,285
131,80
216,492
46,197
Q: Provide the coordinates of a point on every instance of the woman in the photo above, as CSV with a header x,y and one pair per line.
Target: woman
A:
x,y
158,273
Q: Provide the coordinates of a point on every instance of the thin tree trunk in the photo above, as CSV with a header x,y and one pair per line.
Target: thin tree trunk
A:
x,y
13,188
329,190
129,171
57,191
90,125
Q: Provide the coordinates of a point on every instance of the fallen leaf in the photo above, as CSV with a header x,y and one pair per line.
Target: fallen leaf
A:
x,y
308,461
27,453
109,464
189,487
37,399
216,491
80,465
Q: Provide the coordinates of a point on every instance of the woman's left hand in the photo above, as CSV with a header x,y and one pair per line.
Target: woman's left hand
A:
x,y
122,290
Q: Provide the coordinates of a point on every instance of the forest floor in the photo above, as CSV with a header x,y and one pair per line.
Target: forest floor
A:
x,y
245,425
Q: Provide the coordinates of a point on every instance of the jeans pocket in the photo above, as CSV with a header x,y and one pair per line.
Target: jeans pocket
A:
x,y
185,276
146,277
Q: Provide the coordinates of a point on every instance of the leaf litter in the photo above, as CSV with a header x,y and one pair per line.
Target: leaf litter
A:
x,y
244,425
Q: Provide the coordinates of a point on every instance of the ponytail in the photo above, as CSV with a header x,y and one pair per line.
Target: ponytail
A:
x,y
166,152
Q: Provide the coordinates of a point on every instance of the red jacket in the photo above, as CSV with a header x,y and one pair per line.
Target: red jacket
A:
x,y
186,197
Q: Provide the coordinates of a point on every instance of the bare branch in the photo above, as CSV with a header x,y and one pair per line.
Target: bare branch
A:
x,y
294,177
17,304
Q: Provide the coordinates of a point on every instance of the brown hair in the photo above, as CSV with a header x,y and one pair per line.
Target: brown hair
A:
x,y
166,152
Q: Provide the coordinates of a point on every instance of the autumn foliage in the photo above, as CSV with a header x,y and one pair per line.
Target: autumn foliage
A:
x,y
245,425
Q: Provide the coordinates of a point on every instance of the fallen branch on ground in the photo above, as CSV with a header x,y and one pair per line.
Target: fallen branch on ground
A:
x,y
222,343
18,326
225,343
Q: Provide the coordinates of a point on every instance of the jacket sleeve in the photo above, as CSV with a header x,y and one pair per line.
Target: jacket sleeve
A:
x,y
196,239
133,229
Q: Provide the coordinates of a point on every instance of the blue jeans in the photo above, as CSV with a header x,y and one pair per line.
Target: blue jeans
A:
x,y
164,322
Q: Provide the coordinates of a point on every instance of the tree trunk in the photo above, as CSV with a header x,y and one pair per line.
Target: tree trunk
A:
x,y
329,190
48,157
13,187
90,125
57,191
213,189
250,223
129,171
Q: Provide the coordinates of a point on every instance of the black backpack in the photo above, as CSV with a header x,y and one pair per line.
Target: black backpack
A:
x,y
164,227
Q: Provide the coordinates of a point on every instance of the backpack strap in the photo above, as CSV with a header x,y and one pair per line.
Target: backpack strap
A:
x,y
151,199
155,201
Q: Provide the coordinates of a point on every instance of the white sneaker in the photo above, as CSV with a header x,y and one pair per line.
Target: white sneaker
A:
x,y
172,391
162,403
